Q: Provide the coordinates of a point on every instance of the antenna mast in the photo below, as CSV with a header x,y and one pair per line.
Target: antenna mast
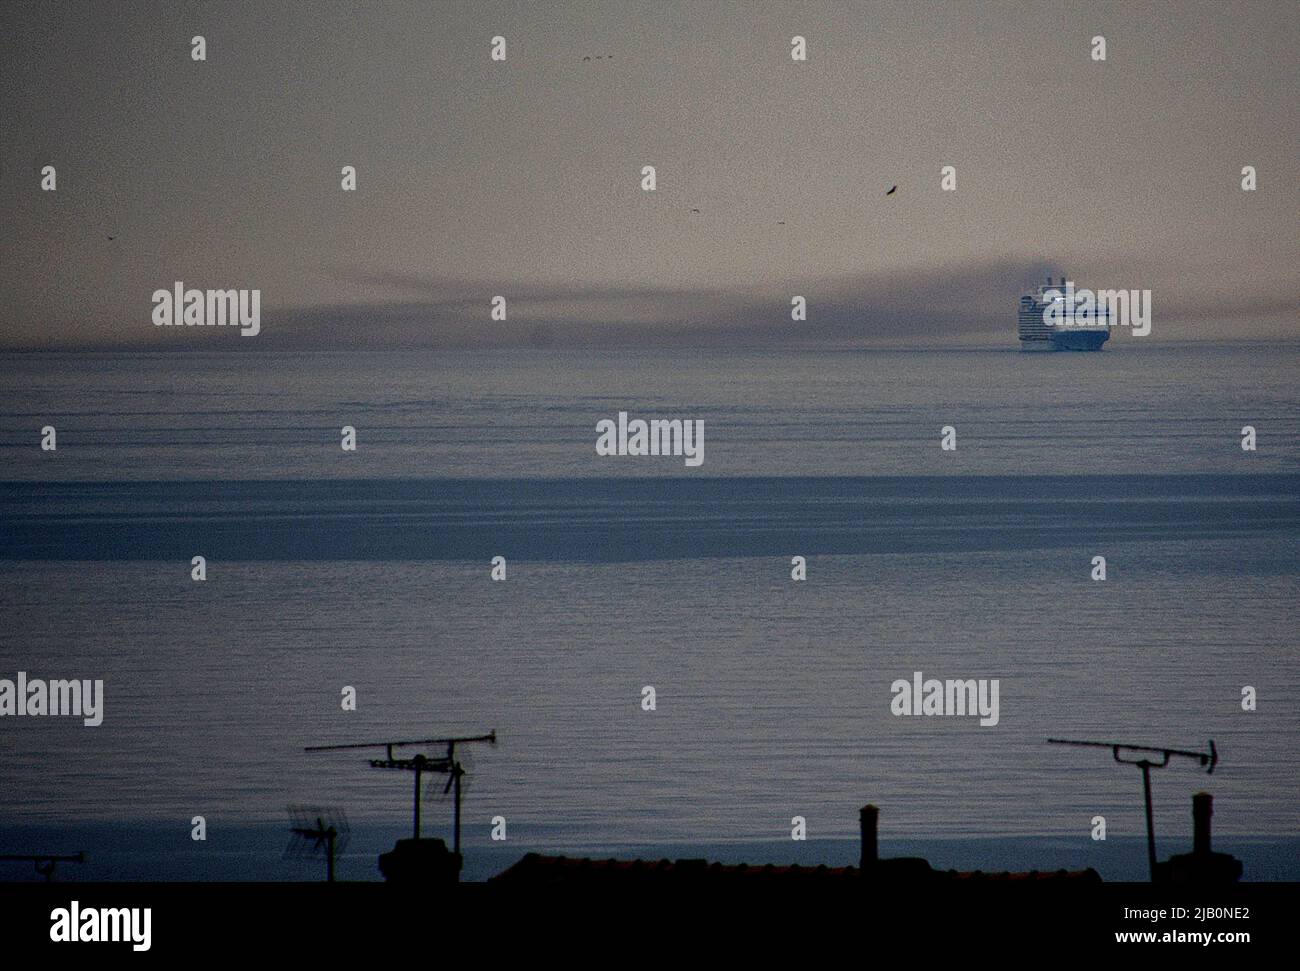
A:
x,y
420,764
1208,761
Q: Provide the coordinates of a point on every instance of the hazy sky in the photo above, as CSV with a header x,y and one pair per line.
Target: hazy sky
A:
x,y
522,178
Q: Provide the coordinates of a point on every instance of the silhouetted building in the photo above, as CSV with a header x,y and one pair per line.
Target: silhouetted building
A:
x,y
536,869
420,861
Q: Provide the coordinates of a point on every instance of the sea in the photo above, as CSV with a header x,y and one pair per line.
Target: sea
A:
x,y
371,571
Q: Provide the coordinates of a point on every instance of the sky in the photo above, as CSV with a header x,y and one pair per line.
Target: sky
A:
x,y
523,178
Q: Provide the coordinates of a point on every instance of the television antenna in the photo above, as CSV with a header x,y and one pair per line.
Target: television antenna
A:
x,y
315,830
420,764
44,863
1208,761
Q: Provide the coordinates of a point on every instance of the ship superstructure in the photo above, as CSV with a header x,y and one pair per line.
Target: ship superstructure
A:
x,y
1049,323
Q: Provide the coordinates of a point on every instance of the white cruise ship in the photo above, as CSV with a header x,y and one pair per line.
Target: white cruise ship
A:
x,y
1077,332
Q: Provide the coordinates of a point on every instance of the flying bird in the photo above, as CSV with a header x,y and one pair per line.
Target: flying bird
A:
x,y
892,191
695,211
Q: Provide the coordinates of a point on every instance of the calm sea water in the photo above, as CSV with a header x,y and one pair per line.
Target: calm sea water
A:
x,y
371,569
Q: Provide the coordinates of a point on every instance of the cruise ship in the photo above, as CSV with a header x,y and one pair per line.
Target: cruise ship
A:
x,y
1081,333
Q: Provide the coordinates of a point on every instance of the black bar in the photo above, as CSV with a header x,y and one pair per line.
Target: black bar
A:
x,y
304,920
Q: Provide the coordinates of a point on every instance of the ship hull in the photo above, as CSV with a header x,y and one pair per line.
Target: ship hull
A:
x,y
1079,340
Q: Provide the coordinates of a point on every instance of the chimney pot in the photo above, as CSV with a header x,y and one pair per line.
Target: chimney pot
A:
x,y
867,817
1202,810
